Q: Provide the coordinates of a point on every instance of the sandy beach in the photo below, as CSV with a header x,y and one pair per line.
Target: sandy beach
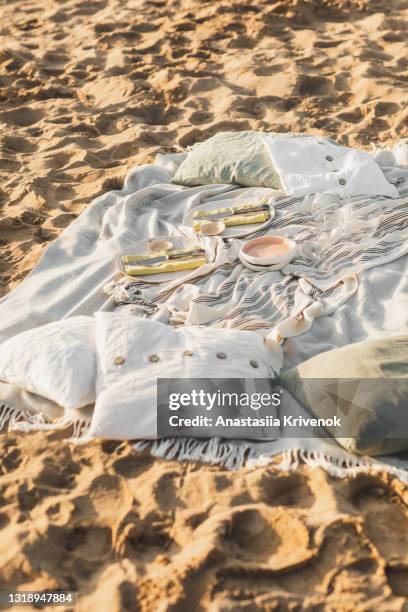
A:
x,y
89,89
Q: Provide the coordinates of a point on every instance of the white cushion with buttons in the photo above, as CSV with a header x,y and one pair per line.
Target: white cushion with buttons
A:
x,y
56,361
132,353
316,165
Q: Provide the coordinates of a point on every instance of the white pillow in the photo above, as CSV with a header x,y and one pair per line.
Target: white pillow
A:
x,y
56,361
315,165
133,353
400,151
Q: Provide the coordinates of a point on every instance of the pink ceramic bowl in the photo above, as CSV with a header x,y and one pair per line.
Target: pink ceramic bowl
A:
x,y
268,250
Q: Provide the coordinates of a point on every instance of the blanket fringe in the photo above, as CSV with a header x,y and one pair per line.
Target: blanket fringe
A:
x,y
215,451
235,456
7,414
21,420
341,467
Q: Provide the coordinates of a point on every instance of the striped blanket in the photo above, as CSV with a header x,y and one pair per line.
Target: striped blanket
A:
x,y
229,295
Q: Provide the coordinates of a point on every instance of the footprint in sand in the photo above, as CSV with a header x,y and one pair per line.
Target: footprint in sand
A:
x,y
23,116
282,489
142,539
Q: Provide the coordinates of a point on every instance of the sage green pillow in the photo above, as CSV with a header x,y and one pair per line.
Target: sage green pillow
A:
x,y
366,386
240,158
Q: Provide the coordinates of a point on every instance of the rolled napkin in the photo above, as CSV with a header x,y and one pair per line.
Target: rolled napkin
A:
x,y
167,266
232,216
193,251
173,261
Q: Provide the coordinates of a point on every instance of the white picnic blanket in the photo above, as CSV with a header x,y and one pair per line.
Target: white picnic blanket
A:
x,y
77,275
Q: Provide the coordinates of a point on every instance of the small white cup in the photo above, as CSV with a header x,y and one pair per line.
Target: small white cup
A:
x,y
158,245
212,228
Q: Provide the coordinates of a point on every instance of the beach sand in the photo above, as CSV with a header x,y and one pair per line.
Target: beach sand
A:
x,y
87,90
